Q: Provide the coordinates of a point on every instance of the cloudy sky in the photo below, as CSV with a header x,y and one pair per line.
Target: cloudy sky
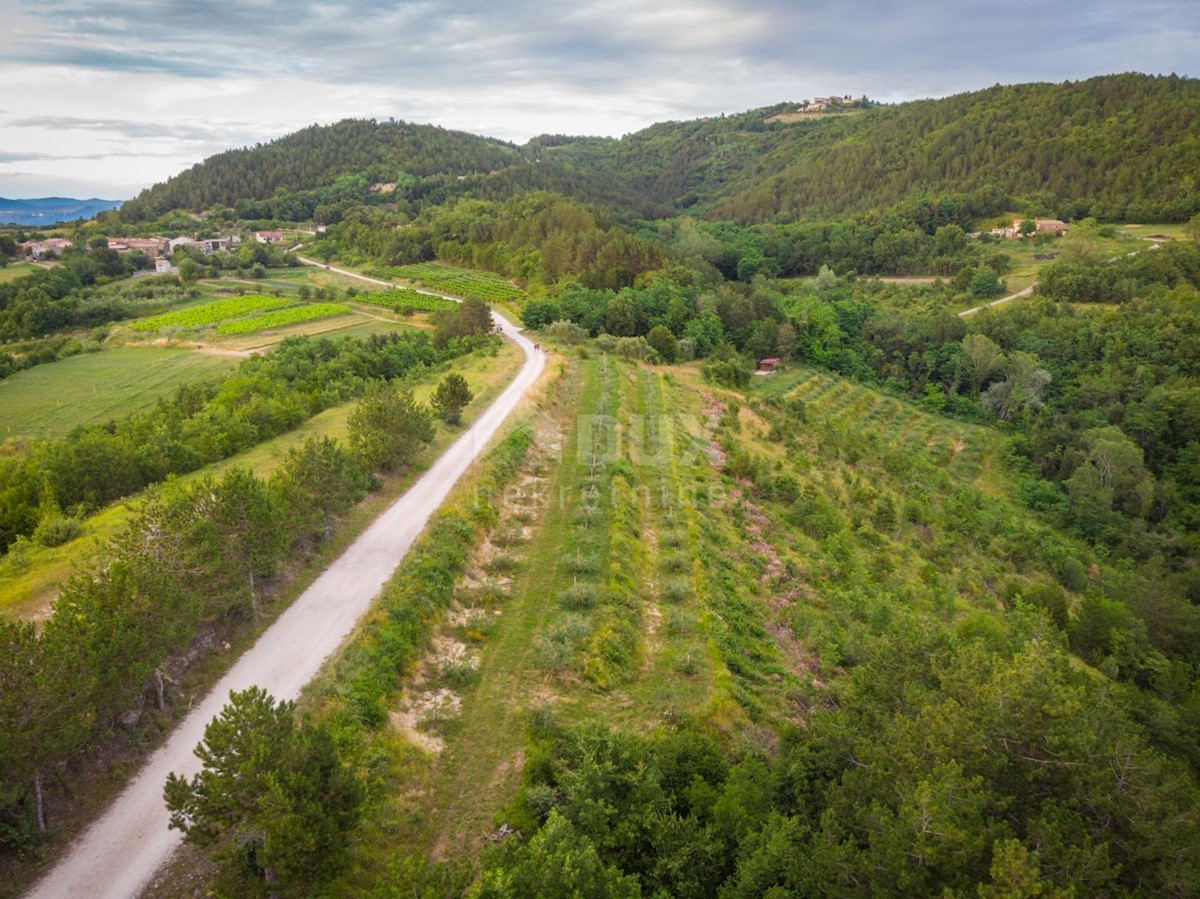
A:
x,y
104,98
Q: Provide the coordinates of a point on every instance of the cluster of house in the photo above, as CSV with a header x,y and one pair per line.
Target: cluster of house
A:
x,y
1042,226
157,248
40,249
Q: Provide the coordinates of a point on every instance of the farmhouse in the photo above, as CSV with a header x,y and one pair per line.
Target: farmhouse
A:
x,y
151,246
207,246
1044,226
268,236
40,249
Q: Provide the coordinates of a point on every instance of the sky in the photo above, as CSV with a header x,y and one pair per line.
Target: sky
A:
x,y
106,98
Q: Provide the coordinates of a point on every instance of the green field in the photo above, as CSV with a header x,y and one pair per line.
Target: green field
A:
x,y
17,270
282,318
28,592
405,300
50,400
210,313
460,282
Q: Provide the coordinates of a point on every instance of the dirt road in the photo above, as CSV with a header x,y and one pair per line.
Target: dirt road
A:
x,y
1020,293
121,851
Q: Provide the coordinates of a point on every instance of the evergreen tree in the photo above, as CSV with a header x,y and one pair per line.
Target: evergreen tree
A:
x,y
451,397
388,427
273,801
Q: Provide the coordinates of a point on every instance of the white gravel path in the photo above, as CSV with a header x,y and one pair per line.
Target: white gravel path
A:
x,y
121,851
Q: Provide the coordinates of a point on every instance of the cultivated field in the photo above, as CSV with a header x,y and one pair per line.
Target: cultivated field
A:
x,y
460,282
50,400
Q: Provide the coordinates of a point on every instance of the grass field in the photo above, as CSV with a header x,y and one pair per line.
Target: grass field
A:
x,y
29,592
17,270
1079,241
50,400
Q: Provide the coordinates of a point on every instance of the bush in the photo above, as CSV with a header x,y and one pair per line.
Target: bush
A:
x,y
57,530
725,374
579,597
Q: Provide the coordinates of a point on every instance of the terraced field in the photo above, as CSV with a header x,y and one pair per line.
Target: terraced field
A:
x,y
460,282
958,447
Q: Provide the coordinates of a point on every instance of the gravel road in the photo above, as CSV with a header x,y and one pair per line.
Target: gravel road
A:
x,y
120,852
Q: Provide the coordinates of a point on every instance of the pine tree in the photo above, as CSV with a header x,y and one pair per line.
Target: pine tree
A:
x,y
273,800
450,397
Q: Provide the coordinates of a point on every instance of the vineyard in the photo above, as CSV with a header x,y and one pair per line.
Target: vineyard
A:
x,y
406,301
211,313
292,316
461,282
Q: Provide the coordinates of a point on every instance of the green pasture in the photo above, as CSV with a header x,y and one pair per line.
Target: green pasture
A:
x,y
50,400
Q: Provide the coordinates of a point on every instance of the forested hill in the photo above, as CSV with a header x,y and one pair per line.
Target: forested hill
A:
x,y
333,166
316,156
1116,147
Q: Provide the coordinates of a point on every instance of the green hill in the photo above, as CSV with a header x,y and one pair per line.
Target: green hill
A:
x,y
1114,147
323,170
1118,146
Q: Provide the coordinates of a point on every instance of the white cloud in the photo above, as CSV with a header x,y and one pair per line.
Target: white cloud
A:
x,y
154,86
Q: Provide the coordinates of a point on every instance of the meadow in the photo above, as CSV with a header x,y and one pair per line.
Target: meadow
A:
x,y
51,400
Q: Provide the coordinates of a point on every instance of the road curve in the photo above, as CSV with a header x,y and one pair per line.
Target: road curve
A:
x,y
120,852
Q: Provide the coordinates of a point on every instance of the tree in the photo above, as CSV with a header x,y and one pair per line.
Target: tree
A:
x,y
273,800
450,397
620,320
1027,227
558,863
388,428
323,477
239,531
1193,227
1020,390
1121,469
985,283
663,342
982,358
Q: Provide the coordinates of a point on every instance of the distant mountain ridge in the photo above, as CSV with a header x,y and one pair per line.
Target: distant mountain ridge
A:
x,y
51,210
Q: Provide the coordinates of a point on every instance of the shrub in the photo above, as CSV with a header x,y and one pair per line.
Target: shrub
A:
x,y
57,530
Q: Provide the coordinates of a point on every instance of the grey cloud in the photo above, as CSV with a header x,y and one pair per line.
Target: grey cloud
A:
x,y
201,132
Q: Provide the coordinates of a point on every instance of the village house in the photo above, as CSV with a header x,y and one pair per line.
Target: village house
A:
x,y
207,245
268,236
1044,226
151,246
40,249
